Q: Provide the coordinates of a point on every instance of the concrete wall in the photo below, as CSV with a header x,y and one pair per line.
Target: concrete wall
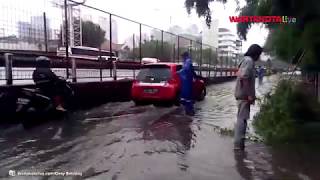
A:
x,y
91,93
87,94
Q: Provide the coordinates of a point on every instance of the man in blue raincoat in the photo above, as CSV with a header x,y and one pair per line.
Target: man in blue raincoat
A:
x,y
186,75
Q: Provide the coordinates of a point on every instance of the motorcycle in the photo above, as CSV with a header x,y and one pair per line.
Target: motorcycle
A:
x,y
39,102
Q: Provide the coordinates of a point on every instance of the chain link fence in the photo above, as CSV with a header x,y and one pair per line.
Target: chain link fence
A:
x,y
50,24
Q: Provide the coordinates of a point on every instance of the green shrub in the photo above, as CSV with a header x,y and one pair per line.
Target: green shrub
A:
x,y
282,113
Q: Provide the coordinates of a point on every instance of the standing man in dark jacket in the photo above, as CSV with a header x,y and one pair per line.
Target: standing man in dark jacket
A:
x,y
245,92
186,75
47,81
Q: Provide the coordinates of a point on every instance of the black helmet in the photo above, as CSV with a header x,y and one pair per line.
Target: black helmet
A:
x,y
185,54
42,61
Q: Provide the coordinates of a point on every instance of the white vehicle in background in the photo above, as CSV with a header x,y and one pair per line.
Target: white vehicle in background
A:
x,y
297,72
205,65
292,73
87,53
149,60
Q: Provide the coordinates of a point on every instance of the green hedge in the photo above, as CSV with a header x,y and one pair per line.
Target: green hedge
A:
x,y
283,113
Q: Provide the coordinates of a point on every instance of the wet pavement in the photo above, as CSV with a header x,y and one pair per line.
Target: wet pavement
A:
x,y
119,141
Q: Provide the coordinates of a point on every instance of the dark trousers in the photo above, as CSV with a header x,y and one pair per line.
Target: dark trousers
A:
x,y
241,124
188,106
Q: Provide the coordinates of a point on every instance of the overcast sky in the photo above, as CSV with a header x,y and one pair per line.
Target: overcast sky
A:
x,y
158,13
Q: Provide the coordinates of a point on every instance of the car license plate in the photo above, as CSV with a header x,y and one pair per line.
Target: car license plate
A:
x,y
23,101
151,91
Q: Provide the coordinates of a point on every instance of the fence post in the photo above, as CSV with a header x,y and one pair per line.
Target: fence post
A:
x,y
227,65
100,64
133,46
74,70
190,49
210,62
222,60
134,74
200,59
67,37
221,66
157,51
318,88
235,61
45,31
101,70
161,44
8,64
174,52
140,43
114,67
178,48
110,37
216,63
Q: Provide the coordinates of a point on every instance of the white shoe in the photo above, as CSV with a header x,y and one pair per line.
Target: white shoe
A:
x,y
60,108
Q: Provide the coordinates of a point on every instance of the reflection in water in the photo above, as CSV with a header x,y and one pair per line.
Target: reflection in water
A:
x,y
296,161
122,141
174,128
242,164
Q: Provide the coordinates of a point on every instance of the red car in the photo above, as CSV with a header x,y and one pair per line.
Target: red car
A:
x,y
159,82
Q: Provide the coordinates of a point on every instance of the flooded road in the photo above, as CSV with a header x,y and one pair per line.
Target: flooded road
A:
x,y
119,141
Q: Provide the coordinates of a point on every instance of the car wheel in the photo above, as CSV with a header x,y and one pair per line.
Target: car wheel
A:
x,y
203,94
176,101
138,103
163,104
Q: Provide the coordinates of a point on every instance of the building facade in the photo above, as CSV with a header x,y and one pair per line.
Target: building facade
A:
x,y
105,25
210,35
34,30
229,46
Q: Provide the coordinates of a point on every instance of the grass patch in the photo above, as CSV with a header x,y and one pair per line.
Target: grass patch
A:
x,y
284,114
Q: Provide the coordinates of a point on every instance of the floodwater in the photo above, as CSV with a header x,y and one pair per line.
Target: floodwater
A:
x,y
119,141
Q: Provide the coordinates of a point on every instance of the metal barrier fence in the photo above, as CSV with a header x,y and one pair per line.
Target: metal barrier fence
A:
x,y
67,23
82,69
18,68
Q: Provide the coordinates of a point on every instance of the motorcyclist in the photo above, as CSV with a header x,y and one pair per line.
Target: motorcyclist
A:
x,y
187,75
47,81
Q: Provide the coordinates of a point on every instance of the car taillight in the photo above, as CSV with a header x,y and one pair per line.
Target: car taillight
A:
x,y
172,81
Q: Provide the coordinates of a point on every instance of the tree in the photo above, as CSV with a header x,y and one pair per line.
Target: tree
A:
x,y
150,49
92,34
285,40
202,8
153,49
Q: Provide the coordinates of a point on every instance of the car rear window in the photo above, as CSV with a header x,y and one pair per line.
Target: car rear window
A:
x,y
154,73
179,67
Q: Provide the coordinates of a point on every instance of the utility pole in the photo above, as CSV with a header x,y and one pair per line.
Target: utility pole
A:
x,y
67,36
